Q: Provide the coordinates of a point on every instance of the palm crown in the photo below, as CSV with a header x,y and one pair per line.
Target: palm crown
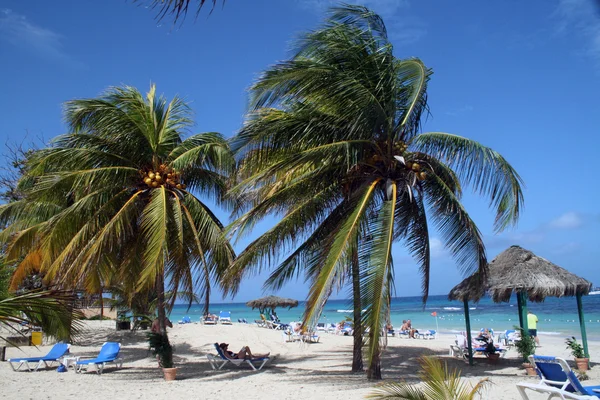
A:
x,y
333,145
112,200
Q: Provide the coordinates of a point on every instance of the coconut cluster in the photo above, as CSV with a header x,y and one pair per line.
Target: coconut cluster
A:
x,y
421,175
163,176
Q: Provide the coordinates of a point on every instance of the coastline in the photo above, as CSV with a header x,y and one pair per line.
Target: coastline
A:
x,y
319,371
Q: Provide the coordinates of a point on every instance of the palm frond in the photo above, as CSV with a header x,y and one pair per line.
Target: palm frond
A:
x,y
375,285
332,266
51,310
485,169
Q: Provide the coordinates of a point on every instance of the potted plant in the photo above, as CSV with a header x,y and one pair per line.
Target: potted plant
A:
x,y
491,352
162,349
123,322
526,347
577,351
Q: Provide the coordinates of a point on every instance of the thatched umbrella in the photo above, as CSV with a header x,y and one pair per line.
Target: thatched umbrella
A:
x,y
519,271
272,302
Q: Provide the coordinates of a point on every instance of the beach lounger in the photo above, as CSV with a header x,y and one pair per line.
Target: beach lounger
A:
x,y
219,361
428,334
404,334
109,353
55,353
321,327
209,320
185,320
557,380
225,317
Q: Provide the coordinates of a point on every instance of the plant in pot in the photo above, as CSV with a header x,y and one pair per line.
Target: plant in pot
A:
x,y
123,322
577,351
162,349
526,347
491,352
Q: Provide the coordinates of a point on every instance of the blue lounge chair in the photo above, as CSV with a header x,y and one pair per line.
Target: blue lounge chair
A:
x,y
109,353
225,317
185,320
557,380
217,362
55,353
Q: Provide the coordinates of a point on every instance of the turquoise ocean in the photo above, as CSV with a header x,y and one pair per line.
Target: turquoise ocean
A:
x,y
557,316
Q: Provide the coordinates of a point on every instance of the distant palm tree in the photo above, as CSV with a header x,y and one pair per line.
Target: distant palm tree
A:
x,y
438,383
332,144
113,200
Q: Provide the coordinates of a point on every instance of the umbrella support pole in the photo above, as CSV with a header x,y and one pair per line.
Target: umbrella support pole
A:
x,y
582,325
522,306
468,323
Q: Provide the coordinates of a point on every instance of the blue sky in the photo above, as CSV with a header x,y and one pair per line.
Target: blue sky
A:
x,y
520,77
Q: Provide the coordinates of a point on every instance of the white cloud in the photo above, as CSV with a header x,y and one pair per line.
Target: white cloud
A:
x,y
17,30
570,220
436,248
580,18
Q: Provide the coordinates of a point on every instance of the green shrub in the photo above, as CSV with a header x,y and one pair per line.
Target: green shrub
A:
x,y
160,346
576,348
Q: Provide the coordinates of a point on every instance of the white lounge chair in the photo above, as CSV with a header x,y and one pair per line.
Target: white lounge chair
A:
x,y
225,317
219,361
557,380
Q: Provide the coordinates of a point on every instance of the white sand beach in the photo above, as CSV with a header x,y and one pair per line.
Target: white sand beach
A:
x,y
313,371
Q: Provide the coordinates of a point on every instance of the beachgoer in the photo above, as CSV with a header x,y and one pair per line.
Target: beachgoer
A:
x,y
156,326
298,327
532,321
389,328
484,335
410,329
243,354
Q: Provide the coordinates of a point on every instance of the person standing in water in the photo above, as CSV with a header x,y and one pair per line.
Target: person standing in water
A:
x,y
532,321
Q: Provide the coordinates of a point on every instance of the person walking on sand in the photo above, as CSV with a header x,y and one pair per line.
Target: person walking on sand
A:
x,y
532,321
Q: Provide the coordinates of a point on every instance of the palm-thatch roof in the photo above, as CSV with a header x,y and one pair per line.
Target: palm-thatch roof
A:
x,y
272,302
519,270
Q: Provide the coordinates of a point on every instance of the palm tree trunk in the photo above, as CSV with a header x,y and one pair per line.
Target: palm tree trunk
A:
x,y
374,370
206,300
357,360
101,305
160,302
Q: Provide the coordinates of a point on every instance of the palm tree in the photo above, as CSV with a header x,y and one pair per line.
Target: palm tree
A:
x,y
438,383
113,200
333,144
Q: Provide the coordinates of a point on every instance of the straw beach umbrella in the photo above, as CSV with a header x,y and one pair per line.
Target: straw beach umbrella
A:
x,y
517,270
272,302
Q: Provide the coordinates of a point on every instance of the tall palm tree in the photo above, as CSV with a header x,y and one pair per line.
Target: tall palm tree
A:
x,y
333,144
114,199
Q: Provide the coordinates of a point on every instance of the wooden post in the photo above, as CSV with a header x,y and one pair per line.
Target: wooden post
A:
x,y
468,323
582,325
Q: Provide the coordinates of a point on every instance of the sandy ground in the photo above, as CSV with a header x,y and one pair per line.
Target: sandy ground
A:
x,y
313,371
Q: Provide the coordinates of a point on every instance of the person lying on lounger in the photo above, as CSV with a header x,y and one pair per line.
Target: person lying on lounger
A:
x,y
243,354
